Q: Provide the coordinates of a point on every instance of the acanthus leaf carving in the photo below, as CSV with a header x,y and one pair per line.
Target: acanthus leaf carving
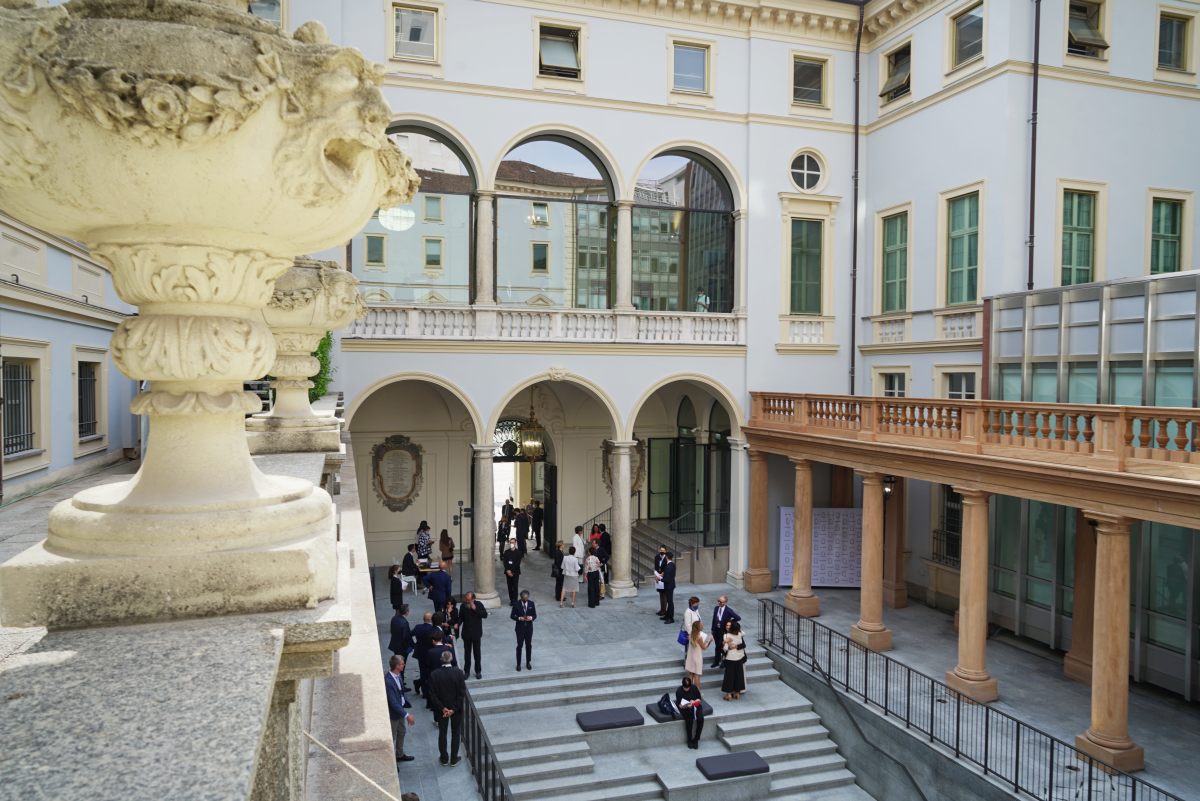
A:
x,y
184,403
167,347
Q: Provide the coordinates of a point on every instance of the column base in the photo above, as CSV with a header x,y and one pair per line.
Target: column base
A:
x,y
895,596
803,605
735,579
293,434
873,640
622,589
490,600
981,690
757,579
1077,668
1128,758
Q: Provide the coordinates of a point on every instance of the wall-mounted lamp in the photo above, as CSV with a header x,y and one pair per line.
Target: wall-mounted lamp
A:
x,y
889,486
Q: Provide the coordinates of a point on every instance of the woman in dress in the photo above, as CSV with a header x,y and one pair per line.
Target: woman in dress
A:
x,y
698,641
591,566
424,544
446,546
396,581
734,683
690,616
570,572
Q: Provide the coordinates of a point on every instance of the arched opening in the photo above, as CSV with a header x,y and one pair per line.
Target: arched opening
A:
x,y
555,226
683,236
422,251
411,440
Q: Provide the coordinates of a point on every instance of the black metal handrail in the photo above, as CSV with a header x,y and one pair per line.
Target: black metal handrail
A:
x,y
489,778
1033,762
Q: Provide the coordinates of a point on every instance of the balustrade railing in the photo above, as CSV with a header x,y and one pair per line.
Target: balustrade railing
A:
x,y
482,757
1030,761
1134,438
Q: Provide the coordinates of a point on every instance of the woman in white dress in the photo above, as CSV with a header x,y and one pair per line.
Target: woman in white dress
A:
x,y
571,570
577,544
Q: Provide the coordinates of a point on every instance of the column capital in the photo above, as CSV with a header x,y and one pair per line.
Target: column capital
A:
x,y
483,451
800,462
485,194
737,443
622,446
757,455
972,495
741,214
625,204
1106,523
870,477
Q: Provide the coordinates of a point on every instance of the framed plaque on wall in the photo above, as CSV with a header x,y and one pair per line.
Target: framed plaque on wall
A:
x,y
396,466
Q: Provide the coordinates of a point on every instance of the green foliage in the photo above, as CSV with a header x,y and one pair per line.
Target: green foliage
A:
x,y
321,379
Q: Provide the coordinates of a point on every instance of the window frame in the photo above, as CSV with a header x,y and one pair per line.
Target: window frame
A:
x,y
1100,226
560,83
38,457
374,265
823,208
882,218
885,60
1186,225
824,108
441,265
283,14
1097,62
691,96
533,246
1077,230
792,267
417,64
821,165
943,245
97,442
425,215
1188,73
959,68
942,376
534,220
879,374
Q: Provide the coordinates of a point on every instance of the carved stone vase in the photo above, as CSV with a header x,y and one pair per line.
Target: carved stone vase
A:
x,y
196,150
310,299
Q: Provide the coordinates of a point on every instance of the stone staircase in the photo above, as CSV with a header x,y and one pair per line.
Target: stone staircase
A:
x,y
530,718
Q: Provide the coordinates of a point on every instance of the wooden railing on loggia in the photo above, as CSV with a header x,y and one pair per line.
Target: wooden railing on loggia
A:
x,y
1137,439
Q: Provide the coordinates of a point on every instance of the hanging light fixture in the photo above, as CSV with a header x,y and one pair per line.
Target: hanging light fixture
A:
x,y
533,436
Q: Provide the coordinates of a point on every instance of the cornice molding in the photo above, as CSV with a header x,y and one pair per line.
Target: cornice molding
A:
x,y
884,17
68,246
26,298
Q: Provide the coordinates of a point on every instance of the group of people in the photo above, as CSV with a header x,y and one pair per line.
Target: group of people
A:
x,y
578,562
419,559
519,523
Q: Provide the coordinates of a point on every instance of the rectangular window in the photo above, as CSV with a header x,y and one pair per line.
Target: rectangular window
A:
x,y
541,257
1082,383
1010,382
1125,384
947,542
892,385
540,214
376,246
433,254
1172,42
808,81
87,373
1166,236
270,10
433,208
690,68
960,386
806,266
962,249
1173,384
558,52
968,35
1085,30
19,399
1078,237
415,32
895,262
899,68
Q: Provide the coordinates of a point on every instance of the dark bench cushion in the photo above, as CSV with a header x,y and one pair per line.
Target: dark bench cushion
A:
x,y
653,711
728,766
602,719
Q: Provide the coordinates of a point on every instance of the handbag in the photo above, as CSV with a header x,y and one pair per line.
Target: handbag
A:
x,y
666,707
682,639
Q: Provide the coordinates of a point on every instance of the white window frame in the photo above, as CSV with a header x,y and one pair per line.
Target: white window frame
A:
x,y
878,379
824,109
691,97
823,208
425,209
1187,224
561,83
942,373
943,254
1100,244
39,457
374,265
532,261
884,60
534,220
1100,62
425,266
880,216
822,165
1188,75
412,64
953,70
99,441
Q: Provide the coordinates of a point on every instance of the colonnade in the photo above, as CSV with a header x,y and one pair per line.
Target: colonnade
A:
x,y
1107,738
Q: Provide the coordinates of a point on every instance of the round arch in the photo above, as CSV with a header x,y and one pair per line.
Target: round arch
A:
x,y
574,136
428,378
732,407
450,137
687,147
557,377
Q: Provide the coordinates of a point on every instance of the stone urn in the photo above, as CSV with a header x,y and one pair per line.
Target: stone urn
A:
x,y
196,150
312,298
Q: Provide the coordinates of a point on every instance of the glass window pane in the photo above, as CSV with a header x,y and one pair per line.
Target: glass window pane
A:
x,y
375,249
895,262
1010,382
433,253
808,81
806,267
557,51
963,248
541,257
1173,382
1082,386
968,35
690,68
1125,384
415,33
1166,236
1172,42
1044,387
1008,530
271,10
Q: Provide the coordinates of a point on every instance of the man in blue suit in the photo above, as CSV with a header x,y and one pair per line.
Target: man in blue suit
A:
x,y
421,634
396,706
441,587
524,612
401,642
722,614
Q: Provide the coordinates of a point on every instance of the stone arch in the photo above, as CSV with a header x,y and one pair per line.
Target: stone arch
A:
x,y
428,378
560,377
703,152
450,137
718,390
573,136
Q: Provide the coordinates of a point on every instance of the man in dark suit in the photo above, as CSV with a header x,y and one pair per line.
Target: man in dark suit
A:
x,y
448,692
511,561
470,629
401,642
668,580
524,612
441,587
420,637
722,614
409,566
397,704
659,561
521,527
535,522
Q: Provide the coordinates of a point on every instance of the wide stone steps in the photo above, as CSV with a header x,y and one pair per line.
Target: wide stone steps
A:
x,y
620,788
541,752
537,771
641,790
816,785
798,715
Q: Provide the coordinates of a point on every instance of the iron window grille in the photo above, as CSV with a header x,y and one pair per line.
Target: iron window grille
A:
x,y
18,406
88,424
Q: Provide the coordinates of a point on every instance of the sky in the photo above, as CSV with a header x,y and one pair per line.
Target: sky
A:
x,y
563,158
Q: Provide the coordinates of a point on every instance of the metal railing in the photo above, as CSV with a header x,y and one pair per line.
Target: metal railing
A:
x,y
712,526
1026,758
482,757
947,547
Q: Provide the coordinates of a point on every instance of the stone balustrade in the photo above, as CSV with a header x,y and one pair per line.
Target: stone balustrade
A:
x,y
391,321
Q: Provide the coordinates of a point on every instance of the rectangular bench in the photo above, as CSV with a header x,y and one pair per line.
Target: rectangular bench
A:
x,y
602,719
728,766
653,711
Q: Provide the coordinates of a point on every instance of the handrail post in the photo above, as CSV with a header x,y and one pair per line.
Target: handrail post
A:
x,y
1017,760
957,723
987,730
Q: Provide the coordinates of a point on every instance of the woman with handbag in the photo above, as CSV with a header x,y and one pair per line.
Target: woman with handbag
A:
x,y
734,682
570,573
591,567
698,641
690,616
556,572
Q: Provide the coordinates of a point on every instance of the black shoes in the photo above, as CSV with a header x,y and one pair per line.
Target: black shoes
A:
x,y
518,667
693,745
408,704
405,758
529,666
668,620
454,761
444,760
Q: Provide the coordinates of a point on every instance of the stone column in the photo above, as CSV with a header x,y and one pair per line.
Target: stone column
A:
x,y
1077,664
757,577
1108,736
738,513
895,526
624,282
485,275
869,631
801,597
485,529
742,245
970,676
620,583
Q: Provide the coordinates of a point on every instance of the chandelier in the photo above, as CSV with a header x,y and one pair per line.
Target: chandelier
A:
x,y
533,436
